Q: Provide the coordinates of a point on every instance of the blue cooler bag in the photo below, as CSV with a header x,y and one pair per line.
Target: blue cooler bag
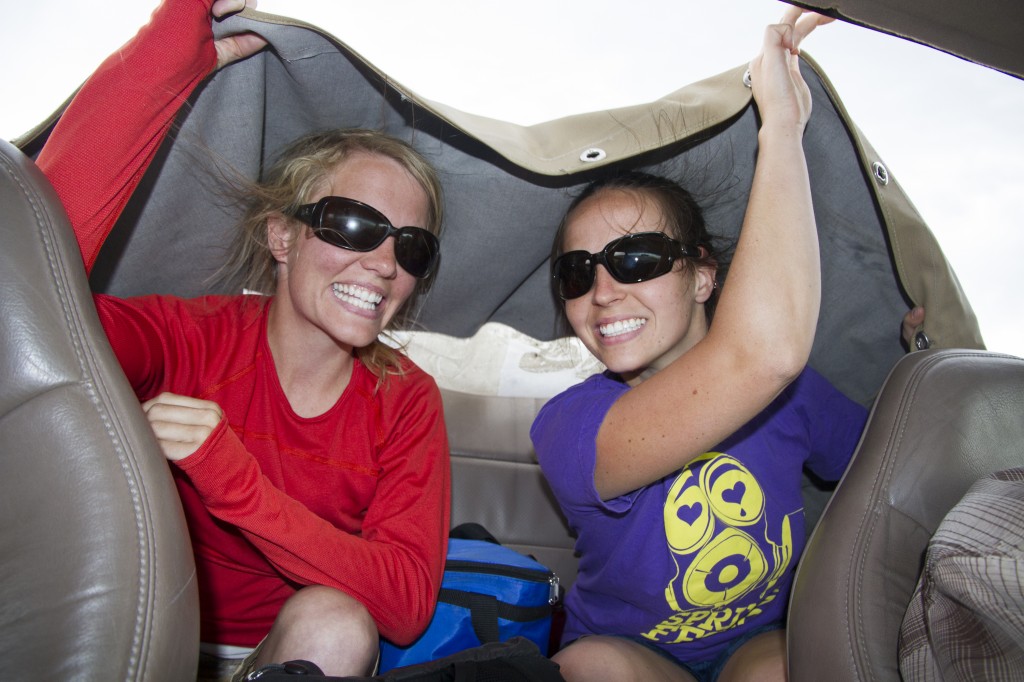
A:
x,y
489,593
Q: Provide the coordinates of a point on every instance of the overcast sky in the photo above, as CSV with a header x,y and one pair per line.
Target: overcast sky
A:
x,y
948,130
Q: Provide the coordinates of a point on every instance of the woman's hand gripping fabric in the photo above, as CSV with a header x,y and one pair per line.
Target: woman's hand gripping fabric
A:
x,y
240,45
781,94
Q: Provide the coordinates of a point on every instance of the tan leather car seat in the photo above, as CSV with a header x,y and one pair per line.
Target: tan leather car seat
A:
x,y
943,419
497,482
96,569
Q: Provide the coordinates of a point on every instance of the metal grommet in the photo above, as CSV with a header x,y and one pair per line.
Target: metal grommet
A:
x,y
881,172
593,155
921,341
746,78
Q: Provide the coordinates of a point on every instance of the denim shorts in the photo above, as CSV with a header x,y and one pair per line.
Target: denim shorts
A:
x,y
709,670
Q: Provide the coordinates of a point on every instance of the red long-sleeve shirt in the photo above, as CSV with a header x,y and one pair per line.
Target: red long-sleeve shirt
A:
x,y
356,498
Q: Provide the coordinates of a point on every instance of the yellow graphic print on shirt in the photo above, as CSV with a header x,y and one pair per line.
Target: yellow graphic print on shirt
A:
x,y
713,509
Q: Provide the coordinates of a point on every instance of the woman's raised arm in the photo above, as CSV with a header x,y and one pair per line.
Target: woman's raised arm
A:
x,y
765,321
105,140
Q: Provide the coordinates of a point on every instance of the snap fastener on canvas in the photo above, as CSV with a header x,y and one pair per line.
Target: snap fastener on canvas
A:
x,y
593,154
881,173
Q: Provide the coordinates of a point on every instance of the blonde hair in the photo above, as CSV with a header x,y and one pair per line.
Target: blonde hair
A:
x,y
290,182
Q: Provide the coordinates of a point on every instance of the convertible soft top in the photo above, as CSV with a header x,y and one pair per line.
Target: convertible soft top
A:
x,y
506,187
987,33
99,576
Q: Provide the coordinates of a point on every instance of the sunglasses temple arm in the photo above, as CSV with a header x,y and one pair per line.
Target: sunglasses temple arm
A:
x,y
305,213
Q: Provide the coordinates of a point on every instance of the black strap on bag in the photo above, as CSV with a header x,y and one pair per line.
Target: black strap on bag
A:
x,y
485,609
472,531
516,660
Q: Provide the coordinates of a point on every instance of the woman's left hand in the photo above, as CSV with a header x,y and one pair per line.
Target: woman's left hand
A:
x,y
238,46
911,321
781,94
181,423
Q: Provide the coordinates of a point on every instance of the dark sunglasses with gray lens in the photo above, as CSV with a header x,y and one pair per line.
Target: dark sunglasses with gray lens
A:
x,y
355,226
631,259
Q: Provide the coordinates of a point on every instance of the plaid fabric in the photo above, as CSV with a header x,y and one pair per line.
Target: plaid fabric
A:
x,y
966,618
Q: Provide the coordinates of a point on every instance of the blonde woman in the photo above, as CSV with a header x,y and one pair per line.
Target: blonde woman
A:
x,y
311,460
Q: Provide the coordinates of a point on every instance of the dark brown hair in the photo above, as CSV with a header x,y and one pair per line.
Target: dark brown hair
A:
x,y
681,215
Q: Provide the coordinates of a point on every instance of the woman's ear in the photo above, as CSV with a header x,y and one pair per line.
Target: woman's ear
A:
x,y
279,236
704,282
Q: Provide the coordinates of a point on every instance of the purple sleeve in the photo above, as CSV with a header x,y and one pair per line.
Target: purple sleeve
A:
x,y
564,436
835,424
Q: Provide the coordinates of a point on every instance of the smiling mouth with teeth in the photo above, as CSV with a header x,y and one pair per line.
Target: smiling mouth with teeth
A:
x,y
357,296
621,327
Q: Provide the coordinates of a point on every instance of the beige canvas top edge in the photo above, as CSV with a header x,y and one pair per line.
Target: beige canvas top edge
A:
x,y
584,141
587,141
566,145
922,268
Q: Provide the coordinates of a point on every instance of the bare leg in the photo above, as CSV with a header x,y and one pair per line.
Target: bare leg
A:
x,y
325,626
614,658
762,659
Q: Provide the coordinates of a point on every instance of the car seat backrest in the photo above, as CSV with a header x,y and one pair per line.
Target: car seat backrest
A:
x,y
96,568
497,482
943,419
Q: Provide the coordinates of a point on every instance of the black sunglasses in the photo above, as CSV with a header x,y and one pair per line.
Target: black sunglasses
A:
x,y
355,226
630,259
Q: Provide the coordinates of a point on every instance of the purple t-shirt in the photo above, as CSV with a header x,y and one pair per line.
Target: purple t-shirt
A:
x,y
704,555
